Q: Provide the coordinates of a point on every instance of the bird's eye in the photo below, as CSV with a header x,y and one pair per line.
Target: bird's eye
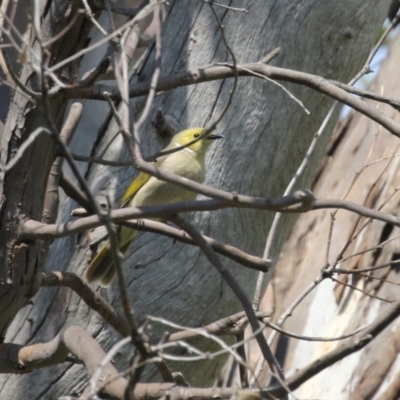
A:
x,y
196,135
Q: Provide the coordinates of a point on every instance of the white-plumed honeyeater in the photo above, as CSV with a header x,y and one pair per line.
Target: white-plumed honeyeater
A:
x,y
147,190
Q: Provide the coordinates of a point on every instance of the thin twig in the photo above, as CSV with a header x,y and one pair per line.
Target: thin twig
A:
x,y
102,161
234,67
369,95
367,67
66,153
275,223
125,49
292,96
282,319
225,6
156,73
314,338
368,269
372,331
383,280
106,360
294,305
141,15
199,332
380,246
361,290
91,77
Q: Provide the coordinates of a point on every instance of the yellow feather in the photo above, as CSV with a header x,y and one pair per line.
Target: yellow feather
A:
x,y
137,183
148,190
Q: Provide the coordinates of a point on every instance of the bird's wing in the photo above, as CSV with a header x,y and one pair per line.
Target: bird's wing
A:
x,y
134,187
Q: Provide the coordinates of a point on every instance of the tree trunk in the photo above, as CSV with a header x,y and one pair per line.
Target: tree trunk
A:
x,y
266,136
361,147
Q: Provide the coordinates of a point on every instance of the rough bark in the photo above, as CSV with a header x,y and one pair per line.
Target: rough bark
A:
x,y
266,136
23,189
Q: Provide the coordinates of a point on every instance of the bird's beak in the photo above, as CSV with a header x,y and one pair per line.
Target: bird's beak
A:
x,y
214,137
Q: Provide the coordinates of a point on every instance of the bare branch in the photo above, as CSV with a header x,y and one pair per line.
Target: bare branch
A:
x,y
369,95
142,14
235,287
211,73
32,229
231,252
275,223
234,66
225,348
361,290
371,332
225,326
369,269
314,338
155,76
73,191
367,67
225,6
101,161
51,201
92,298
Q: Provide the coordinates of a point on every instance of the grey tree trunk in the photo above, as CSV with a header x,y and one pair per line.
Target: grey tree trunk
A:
x,y
266,136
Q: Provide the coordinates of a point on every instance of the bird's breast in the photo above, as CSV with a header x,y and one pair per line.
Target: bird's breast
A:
x,y
156,191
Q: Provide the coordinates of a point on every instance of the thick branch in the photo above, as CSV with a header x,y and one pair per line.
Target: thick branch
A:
x,y
21,359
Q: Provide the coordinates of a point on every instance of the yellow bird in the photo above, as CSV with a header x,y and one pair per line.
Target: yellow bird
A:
x,y
147,190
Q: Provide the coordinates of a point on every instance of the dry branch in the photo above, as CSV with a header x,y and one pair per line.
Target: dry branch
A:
x,y
295,203
93,299
342,351
247,260
207,74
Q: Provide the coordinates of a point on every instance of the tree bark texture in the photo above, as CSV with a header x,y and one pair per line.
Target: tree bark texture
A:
x,y
359,149
266,136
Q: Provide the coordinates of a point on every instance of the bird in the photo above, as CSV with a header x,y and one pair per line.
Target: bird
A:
x,y
147,190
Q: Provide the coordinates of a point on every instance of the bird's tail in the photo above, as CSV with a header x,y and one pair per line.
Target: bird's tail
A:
x,y
102,268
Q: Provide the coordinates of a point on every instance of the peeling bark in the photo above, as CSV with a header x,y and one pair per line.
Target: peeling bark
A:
x,y
332,308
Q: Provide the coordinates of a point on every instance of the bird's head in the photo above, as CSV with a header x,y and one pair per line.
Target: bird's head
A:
x,y
189,135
